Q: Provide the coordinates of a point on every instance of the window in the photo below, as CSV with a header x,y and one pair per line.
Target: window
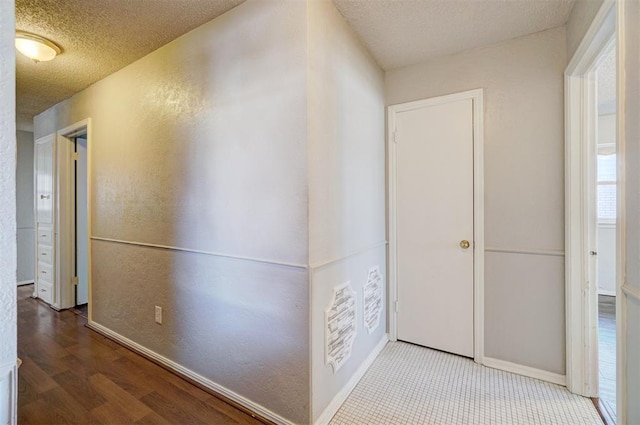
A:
x,y
606,186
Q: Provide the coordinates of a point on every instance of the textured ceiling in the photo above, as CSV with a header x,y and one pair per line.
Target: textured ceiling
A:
x,y
405,32
607,84
98,37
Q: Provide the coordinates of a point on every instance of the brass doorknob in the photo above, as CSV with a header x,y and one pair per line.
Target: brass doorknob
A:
x,y
464,244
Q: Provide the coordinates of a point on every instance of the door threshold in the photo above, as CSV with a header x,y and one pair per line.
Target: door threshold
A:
x,y
605,410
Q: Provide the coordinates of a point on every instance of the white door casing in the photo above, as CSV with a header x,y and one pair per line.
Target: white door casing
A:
x,y
580,220
470,264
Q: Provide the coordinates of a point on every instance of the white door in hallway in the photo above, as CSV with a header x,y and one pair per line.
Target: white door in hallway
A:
x,y
434,224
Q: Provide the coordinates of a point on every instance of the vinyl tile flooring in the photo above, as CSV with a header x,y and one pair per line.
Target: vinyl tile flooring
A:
x,y
408,384
72,375
607,351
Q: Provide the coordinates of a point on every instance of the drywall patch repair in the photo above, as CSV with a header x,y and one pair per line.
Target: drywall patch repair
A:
x,y
340,326
373,300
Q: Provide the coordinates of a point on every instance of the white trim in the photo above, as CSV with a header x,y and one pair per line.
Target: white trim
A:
x,y
9,383
630,292
548,252
196,251
26,282
478,206
183,371
580,133
349,255
335,404
531,372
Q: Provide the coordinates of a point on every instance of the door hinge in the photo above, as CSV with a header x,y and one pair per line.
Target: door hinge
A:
x,y
75,280
75,156
395,137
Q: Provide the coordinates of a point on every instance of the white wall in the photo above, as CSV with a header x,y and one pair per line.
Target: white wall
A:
x,y
579,22
346,185
8,319
524,180
201,147
24,207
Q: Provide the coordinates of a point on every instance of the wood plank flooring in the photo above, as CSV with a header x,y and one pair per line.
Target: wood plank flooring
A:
x,y
607,354
72,375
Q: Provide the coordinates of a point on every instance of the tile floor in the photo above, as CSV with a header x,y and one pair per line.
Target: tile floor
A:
x,y
408,384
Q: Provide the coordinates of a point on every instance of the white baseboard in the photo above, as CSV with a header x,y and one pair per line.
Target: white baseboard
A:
x,y
341,397
605,292
181,370
25,282
9,394
531,372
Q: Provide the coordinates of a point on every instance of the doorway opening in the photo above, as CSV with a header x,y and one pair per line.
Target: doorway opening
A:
x,y
591,217
81,236
606,212
74,145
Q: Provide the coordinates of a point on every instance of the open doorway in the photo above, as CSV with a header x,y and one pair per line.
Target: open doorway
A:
x,y
81,230
73,147
606,213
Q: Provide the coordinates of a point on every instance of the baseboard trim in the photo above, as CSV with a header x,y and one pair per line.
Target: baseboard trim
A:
x,y
254,409
25,282
341,397
531,372
9,386
607,293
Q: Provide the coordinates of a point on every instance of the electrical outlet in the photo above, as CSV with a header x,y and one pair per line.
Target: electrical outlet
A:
x,y
158,314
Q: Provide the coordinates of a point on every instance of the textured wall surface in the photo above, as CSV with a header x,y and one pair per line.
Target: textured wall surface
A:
x,y
346,184
7,187
8,319
94,38
578,23
201,145
24,207
524,180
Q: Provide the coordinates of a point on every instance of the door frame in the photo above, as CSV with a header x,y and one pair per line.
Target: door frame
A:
x,y
476,97
65,218
581,301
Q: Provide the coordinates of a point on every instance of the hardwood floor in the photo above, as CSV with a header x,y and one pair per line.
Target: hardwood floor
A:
x,y
607,353
72,375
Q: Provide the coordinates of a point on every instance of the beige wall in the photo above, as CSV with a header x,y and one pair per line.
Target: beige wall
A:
x,y
201,147
8,335
24,206
346,184
579,22
524,179
629,146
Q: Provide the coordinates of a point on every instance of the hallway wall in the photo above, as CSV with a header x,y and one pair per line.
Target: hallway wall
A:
x,y
524,186
199,202
346,187
8,318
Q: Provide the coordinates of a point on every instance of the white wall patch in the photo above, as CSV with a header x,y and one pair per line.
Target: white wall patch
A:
x,y
340,326
372,295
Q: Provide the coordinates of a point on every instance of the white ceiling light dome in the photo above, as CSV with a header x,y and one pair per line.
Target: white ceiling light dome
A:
x,y
35,47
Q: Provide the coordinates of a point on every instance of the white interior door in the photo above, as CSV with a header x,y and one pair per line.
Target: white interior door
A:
x,y
82,241
434,195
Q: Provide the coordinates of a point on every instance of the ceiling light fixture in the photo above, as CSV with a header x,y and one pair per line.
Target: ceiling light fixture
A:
x,y
35,47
